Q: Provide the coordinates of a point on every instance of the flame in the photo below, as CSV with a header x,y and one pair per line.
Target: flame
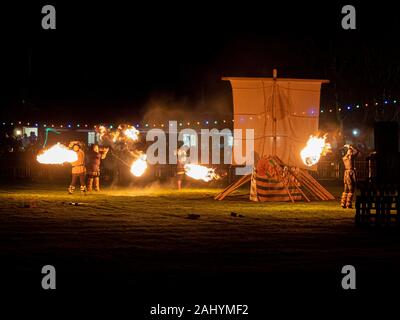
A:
x,y
57,154
139,166
314,149
102,131
121,134
199,172
115,136
132,133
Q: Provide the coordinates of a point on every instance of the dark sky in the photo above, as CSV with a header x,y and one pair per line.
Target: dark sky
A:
x,y
110,61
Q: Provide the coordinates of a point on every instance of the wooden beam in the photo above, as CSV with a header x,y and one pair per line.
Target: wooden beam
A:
x,y
232,187
318,185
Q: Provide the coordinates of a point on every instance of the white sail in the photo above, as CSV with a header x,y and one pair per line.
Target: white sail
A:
x,y
282,112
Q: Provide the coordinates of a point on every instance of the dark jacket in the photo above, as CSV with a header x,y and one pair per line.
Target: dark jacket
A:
x,y
93,161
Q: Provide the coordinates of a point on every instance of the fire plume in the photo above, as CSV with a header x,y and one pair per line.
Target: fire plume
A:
x,y
57,154
314,149
139,166
132,133
199,172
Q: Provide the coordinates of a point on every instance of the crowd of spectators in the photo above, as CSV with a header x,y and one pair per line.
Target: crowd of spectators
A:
x,y
17,142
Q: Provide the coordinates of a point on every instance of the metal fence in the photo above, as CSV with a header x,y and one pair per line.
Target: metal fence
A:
x,y
334,170
25,167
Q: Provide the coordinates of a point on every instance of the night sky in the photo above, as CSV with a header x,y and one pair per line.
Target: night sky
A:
x,y
111,62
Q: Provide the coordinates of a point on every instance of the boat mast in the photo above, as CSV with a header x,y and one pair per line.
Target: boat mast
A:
x,y
275,76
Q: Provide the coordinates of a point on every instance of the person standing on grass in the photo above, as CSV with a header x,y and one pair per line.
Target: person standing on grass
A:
x,y
78,168
349,177
180,167
94,156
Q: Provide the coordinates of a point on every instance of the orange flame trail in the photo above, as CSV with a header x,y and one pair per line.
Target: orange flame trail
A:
x,y
132,133
57,154
199,172
139,166
314,149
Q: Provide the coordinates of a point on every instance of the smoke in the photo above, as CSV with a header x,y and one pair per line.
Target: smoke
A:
x,y
155,185
171,183
161,109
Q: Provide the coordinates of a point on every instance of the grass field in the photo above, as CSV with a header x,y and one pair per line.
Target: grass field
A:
x,y
148,230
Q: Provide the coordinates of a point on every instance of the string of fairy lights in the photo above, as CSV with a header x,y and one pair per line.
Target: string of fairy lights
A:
x,y
144,125
112,126
352,107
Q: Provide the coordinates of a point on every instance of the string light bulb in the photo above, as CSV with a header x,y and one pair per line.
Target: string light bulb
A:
x,y
207,122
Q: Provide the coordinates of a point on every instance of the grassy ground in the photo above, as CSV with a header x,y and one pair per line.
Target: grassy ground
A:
x,y
137,231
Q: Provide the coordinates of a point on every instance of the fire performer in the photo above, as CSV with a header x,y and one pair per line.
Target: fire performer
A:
x,y
78,167
349,177
95,155
180,167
